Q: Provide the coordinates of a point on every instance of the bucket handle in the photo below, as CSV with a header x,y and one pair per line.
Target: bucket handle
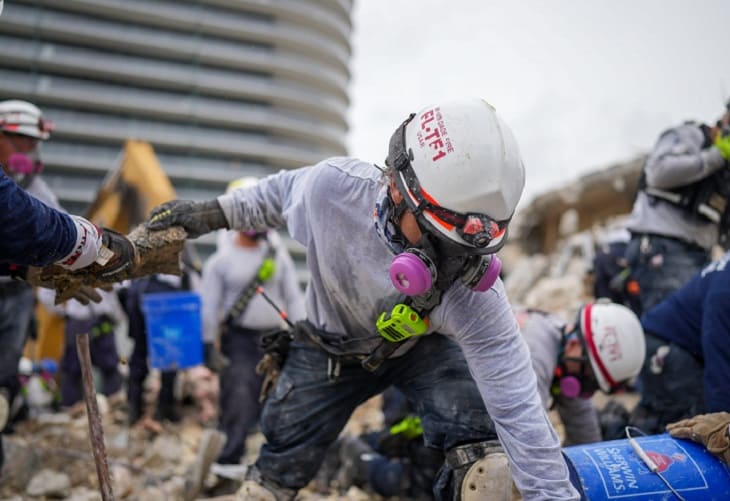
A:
x,y
647,460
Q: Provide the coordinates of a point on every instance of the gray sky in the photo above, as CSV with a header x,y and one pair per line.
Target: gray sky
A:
x,y
583,84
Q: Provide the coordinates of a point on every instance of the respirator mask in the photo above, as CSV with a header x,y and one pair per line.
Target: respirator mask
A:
x,y
574,385
22,167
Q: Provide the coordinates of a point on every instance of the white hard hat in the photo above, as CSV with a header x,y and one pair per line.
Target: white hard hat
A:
x,y
614,340
25,119
460,171
243,182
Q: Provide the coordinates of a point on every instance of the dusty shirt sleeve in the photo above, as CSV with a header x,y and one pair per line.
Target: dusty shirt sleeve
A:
x,y
678,158
499,361
275,202
580,419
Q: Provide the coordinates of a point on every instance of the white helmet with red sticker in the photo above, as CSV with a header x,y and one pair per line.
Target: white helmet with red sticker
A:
x,y
25,119
615,342
460,170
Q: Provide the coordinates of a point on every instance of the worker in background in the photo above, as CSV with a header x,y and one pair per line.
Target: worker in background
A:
x,y
681,209
687,366
236,317
601,350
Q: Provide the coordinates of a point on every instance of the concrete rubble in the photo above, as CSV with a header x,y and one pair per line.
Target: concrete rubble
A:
x,y
50,456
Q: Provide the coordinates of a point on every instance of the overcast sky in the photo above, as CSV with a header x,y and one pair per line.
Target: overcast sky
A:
x,y
583,84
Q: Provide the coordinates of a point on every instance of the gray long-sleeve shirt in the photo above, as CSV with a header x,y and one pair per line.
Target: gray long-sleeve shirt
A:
x,y
678,159
232,268
543,333
329,209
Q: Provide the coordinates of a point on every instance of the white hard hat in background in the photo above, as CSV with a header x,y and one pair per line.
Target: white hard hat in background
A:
x,y
24,118
615,342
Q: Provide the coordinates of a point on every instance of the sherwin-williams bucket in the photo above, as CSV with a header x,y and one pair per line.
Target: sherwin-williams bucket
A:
x,y
174,329
612,470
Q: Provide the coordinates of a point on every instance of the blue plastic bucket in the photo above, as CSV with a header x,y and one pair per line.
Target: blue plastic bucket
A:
x,y
612,470
174,329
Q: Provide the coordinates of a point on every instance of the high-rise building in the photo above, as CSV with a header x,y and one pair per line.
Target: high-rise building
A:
x,y
221,88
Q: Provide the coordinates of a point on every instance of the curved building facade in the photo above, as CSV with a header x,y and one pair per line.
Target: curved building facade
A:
x,y
220,88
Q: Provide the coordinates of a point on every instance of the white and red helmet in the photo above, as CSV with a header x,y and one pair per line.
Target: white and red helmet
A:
x,y
614,340
25,119
460,170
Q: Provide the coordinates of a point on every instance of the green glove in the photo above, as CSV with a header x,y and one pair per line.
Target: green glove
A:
x,y
722,143
410,427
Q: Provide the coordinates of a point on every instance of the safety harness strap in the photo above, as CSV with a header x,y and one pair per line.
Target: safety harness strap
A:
x,y
247,293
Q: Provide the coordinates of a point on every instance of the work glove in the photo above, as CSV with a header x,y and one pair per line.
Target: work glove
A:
x,y
722,143
213,358
197,218
710,430
85,294
116,255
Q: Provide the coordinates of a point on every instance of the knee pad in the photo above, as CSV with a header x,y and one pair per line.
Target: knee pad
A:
x,y
488,478
481,471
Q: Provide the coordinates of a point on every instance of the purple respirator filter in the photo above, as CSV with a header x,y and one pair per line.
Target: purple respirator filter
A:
x,y
410,275
20,163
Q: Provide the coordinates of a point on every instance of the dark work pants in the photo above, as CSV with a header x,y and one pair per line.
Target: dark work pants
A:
x,y
104,356
672,386
16,311
17,303
138,368
239,391
662,266
307,410
138,371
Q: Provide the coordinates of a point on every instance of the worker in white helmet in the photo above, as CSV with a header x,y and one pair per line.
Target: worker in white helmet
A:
x,y
603,349
404,290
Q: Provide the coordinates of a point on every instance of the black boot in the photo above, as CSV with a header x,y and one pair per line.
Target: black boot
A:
x,y
166,409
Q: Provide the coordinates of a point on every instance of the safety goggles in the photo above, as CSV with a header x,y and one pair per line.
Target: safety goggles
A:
x,y
477,230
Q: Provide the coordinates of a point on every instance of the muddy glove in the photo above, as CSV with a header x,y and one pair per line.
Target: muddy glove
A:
x,y
710,430
722,143
84,294
197,218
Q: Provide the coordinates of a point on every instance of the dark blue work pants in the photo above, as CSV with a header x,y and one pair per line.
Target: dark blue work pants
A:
x,y
104,356
307,410
662,266
672,389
